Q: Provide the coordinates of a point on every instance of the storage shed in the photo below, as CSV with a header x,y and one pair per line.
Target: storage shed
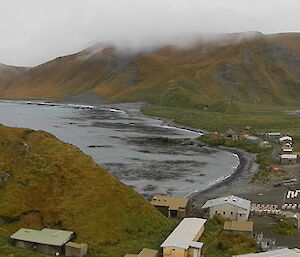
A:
x,y
75,250
172,206
231,207
287,150
274,135
239,226
252,139
288,159
46,241
183,241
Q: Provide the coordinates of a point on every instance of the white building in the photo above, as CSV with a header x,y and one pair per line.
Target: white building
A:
x,y
287,149
232,207
274,135
288,159
286,139
183,241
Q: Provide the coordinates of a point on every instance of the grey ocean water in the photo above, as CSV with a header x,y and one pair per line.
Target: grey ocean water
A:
x,y
140,151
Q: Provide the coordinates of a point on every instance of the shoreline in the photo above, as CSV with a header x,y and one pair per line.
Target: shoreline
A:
x,y
246,160
240,168
242,174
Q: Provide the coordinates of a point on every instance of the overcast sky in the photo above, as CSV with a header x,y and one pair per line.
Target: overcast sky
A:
x,y
34,31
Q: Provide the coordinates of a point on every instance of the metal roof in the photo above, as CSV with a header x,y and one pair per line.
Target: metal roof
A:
x,y
287,149
173,203
274,134
232,199
289,156
285,252
251,138
184,234
45,236
286,138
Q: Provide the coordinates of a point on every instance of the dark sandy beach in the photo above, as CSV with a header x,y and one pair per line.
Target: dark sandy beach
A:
x,y
239,183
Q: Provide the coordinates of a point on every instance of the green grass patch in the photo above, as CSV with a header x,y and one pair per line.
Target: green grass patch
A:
x,y
213,228
285,228
258,117
218,243
228,244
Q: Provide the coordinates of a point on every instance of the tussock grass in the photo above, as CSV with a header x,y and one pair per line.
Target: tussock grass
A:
x,y
285,228
258,117
228,244
218,243
54,184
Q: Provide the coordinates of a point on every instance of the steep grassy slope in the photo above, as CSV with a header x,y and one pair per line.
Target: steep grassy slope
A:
x,y
45,182
9,74
257,69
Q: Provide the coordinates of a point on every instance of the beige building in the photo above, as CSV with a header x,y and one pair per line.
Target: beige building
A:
x,y
231,207
239,226
172,206
144,253
183,241
75,249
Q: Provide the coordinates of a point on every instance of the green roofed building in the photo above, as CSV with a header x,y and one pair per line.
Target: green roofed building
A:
x,y
46,241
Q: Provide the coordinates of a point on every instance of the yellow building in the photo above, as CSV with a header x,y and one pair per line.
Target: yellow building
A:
x,y
172,207
183,241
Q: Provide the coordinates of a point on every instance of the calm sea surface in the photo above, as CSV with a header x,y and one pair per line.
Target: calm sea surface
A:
x,y
141,152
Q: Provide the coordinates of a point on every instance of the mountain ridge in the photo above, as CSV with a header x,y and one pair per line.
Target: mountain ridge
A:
x,y
253,68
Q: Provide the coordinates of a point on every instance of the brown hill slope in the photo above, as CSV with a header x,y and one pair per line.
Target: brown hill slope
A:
x,y
47,183
256,69
9,74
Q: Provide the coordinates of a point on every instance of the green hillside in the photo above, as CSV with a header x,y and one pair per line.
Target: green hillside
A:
x,y
47,183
